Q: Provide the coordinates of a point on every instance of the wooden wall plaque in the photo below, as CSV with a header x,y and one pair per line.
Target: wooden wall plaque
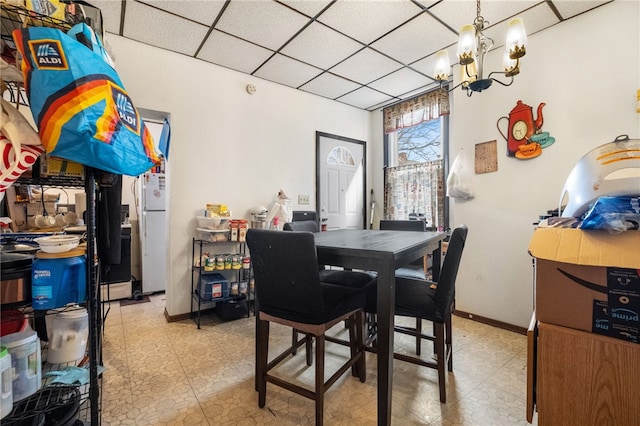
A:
x,y
486,157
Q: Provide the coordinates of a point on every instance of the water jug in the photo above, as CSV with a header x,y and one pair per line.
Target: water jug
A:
x,y
26,362
6,387
58,279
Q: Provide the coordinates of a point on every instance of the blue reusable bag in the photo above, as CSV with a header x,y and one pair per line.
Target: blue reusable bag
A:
x,y
82,110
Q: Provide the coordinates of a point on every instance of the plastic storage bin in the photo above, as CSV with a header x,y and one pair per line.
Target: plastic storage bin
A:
x,y
67,332
26,362
58,279
6,394
213,286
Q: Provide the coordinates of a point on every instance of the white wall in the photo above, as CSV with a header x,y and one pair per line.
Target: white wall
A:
x,y
227,146
230,147
589,87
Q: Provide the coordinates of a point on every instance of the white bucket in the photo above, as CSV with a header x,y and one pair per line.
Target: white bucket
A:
x,y
6,393
26,362
67,333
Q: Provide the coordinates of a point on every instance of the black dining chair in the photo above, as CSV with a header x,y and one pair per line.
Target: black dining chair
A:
x,y
352,279
433,301
289,292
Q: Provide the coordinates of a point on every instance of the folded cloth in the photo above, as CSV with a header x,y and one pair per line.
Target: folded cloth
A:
x,y
72,375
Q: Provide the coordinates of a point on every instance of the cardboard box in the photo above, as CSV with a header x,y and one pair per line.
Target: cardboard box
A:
x,y
588,280
55,166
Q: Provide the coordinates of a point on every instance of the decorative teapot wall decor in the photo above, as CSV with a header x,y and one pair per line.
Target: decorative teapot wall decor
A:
x,y
521,128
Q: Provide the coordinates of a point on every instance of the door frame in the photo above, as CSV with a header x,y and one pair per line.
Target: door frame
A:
x,y
364,171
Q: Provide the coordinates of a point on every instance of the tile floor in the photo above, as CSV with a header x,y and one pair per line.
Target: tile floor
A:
x,y
161,373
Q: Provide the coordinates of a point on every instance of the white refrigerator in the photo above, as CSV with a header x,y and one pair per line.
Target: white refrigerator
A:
x,y
154,228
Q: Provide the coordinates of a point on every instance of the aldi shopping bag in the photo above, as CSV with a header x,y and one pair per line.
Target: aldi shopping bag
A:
x,y
83,112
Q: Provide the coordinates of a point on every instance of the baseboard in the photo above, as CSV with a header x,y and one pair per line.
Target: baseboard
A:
x,y
492,322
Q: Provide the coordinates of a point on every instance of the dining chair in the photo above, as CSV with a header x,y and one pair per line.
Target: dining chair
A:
x,y
352,279
433,301
289,292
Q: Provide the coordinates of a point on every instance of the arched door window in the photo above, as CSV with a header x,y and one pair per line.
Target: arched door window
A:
x,y
341,156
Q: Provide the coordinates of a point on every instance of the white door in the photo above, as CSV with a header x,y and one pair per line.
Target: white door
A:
x,y
340,165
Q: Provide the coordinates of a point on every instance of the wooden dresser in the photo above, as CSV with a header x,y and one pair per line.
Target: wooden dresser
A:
x,y
580,378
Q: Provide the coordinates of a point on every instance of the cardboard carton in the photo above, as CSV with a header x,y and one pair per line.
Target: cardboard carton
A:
x,y
588,280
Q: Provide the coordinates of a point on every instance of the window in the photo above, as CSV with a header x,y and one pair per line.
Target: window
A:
x,y
415,163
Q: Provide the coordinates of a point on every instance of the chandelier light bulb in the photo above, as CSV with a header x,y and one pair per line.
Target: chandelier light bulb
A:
x,y
516,38
467,44
442,67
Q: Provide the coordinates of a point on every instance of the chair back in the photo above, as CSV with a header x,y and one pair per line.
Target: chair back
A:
x,y
303,225
301,215
402,225
285,267
446,283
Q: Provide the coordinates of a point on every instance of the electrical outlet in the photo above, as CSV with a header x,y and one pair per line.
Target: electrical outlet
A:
x,y
303,199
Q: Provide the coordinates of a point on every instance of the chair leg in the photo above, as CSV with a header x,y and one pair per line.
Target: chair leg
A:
x,y
261,370
448,330
294,340
319,394
441,359
309,349
352,324
360,333
418,333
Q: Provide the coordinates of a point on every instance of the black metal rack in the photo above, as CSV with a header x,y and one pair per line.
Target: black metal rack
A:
x,y
14,17
198,272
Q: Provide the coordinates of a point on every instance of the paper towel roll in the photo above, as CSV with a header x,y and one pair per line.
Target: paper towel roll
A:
x,y
81,204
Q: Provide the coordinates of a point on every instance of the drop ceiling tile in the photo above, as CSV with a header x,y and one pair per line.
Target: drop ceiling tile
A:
x,y
111,11
365,66
178,34
569,9
287,71
364,98
401,81
457,13
330,86
232,52
265,23
204,12
415,40
308,7
535,19
320,46
367,21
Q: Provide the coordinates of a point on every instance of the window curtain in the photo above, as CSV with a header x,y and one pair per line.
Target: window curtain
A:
x,y
416,110
413,191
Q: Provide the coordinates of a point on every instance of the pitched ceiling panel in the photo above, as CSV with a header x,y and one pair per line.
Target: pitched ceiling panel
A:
x,y
111,12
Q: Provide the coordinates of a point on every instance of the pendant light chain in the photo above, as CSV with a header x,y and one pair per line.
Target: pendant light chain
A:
x,y
478,8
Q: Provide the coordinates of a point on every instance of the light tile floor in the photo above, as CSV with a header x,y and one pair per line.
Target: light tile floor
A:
x,y
161,373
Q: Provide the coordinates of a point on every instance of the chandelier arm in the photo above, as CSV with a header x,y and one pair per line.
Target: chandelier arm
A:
x,y
498,81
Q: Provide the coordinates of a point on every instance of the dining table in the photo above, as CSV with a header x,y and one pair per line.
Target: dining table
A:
x,y
383,252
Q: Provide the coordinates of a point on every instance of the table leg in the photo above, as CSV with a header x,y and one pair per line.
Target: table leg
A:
x,y
386,308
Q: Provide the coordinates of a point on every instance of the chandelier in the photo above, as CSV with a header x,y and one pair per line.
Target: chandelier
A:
x,y
473,45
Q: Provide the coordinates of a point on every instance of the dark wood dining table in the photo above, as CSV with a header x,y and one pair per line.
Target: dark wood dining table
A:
x,y
383,252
